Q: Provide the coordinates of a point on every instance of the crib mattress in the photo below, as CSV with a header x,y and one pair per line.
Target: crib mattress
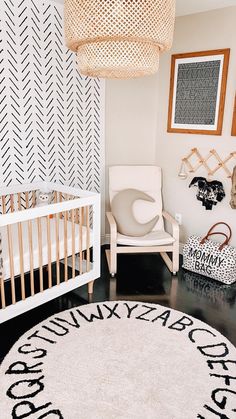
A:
x,y
26,252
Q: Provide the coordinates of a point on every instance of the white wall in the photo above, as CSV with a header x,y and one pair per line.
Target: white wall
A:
x,y
136,120
203,31
131,122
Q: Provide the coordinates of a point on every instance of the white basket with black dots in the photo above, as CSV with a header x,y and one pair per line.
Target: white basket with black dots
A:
x,y
210,258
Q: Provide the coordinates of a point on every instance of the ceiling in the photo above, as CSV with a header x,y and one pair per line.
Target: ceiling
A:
x,y
188,7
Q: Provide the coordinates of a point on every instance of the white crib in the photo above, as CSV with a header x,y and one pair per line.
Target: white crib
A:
x,y
48,250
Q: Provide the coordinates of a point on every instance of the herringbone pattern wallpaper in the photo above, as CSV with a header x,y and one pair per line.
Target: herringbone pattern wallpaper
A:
x,y
51,118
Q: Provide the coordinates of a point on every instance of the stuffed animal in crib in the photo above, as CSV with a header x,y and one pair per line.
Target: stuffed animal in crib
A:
x,y
43,198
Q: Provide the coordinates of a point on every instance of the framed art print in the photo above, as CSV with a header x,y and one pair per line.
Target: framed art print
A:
x,y
233,131
197,92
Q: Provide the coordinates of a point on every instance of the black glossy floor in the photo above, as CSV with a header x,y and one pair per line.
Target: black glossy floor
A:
x,y
141,278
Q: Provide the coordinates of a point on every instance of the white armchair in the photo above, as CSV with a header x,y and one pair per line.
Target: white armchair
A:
x,y
146,179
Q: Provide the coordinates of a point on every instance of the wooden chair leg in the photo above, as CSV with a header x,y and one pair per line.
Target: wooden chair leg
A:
x,y
173,264
175,257
90,287
112,261
167,260
113,255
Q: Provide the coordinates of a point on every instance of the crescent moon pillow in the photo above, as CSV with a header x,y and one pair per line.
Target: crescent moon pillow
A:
x,y
122,210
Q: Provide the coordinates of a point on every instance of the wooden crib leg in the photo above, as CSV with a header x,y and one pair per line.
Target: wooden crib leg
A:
x,y
90,287
3,300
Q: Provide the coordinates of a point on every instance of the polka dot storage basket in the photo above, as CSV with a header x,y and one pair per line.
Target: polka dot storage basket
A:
x,y
211,258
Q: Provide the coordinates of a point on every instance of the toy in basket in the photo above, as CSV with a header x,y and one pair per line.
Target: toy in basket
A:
x,y
210,258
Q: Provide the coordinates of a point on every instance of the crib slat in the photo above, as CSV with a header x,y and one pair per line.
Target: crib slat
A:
x,y
34,198
11,259
12,203
31,253
73,241
60,200
49,253
3,204
27,200
10,251
65,246
81,210
77,216
19,201
2,285
40,254
87,241
70,198
22,275
57,248
3,299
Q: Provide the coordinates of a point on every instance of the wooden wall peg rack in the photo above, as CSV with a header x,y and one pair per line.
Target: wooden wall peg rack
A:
x,y
203,161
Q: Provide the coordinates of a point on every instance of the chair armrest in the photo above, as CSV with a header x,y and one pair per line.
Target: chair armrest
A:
x,y
174,224
112,224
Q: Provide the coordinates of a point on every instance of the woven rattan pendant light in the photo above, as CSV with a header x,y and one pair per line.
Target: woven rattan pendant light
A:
x,y
119,38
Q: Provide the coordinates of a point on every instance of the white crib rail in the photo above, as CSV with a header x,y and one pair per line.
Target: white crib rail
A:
x,y
77,210
34,213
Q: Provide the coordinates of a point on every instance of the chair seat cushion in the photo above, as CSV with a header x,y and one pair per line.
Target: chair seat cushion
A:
x,y
154,238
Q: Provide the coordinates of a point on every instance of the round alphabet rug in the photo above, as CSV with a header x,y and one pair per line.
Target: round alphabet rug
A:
x,y
119,360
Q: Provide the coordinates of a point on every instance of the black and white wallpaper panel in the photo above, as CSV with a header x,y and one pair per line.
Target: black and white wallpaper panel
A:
x,y
51,117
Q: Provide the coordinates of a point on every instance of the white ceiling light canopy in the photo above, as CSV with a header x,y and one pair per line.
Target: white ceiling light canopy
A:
x,y
119,38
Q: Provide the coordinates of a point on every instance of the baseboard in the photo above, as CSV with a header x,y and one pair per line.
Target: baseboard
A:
x,y
105,239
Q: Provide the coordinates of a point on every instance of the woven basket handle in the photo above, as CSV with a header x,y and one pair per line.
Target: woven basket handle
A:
x,y
225,243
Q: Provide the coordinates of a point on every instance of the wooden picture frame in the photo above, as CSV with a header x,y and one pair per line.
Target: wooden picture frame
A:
x,y
197,92
233,131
